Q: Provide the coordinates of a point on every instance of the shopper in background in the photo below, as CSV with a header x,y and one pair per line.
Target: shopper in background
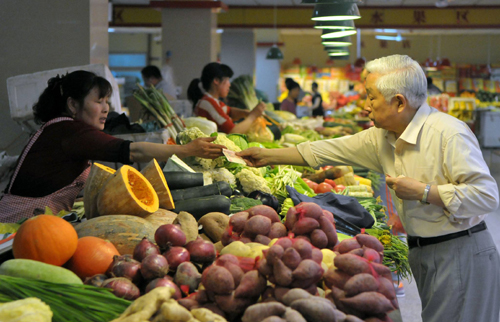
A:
x,y
205,94
440,184
317,101
152,77
290,102
167,73
54,165
431,88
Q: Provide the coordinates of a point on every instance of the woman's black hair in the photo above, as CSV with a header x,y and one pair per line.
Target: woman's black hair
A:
x,y
151,71
52,102
291,85
210,72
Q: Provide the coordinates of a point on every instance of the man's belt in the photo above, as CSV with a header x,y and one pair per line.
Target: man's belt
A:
x,y
424,241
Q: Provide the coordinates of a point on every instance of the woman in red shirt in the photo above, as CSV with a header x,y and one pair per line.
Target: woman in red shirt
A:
x,y
206,92
54,165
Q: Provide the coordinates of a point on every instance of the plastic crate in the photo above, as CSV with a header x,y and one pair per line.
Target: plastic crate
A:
x,y
24,90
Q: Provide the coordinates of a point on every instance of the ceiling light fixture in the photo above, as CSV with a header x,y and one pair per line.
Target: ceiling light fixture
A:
x,y
334,25
337,42
338,52
274,52
391,38
329,34
334,12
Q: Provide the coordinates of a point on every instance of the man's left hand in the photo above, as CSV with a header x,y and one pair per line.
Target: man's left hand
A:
x,y
406,188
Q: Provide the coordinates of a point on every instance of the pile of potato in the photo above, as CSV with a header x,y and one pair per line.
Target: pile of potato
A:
x,y
258,224
292,263
313,223
360,285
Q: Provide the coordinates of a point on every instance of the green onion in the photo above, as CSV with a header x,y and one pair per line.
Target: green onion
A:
x,y
68,302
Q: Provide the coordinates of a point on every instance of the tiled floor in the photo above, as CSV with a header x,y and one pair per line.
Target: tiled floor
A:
x,y
410,304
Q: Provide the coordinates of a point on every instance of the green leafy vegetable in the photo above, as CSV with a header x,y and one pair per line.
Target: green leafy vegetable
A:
x,y
240,203
239,139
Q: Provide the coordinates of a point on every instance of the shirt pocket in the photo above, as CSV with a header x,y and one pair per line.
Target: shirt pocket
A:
x,y
424,174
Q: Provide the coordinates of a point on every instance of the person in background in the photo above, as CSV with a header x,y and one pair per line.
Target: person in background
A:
x,y
167,73
317,101
431,88
290,102
440,184
152,77
54,165
206,93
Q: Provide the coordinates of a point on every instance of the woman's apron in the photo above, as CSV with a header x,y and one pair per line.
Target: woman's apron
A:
x,y
14,208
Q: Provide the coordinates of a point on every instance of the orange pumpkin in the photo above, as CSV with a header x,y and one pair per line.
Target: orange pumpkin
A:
x,y
47,239
93,256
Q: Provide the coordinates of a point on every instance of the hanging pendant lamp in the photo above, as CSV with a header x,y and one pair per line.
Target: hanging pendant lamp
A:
x,y
332,34
337,42
274,52
334,12
340,51
335,25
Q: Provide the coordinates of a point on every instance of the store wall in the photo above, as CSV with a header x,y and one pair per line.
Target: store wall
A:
x,y
267,72
43,35
238,51
466,48
192,37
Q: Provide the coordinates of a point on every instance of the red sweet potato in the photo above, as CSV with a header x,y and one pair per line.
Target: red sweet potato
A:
x,y
281,273
370,241
313,310
252,285
228,237
292,315
188,303
280,292
336,278
304,237
329,229
370,303
303,247
337,294
266,211
218,280
227,258
274,318
257,225
329,216
295,294
284,242
238,221
305,225
260,311
360,283
319,239
291,258
381,269
235,271
387,288
352,318
308,270
347,245
317,255
278,230
351,264
264,268
371,254
358,251
291,218
231,305
275,252
261,239
310,209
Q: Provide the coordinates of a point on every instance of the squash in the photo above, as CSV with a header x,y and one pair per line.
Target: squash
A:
x,y
27,268
124,231
154,174
93,256
161,217
127,192
97,177
47,239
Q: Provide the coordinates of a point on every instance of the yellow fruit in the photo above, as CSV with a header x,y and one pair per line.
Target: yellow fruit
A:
x,y
328,257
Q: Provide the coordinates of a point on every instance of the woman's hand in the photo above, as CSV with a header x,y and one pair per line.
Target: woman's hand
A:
x,y
258,110
201,147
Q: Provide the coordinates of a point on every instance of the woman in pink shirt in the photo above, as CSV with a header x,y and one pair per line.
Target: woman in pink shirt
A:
x,y
290,102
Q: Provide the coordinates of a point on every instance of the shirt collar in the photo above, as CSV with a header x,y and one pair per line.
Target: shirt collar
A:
x,y
411,132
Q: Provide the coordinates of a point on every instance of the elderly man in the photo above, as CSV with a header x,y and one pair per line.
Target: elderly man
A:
x,y
440,183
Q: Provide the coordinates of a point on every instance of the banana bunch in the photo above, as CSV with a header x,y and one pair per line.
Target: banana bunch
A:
x,y
463,111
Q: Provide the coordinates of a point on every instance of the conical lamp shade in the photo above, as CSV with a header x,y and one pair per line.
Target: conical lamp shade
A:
x,y
339,51
337,42
335,25
333,34
333,12
274,53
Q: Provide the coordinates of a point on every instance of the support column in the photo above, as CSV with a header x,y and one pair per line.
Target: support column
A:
x,y
44,35
238,51
190,33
